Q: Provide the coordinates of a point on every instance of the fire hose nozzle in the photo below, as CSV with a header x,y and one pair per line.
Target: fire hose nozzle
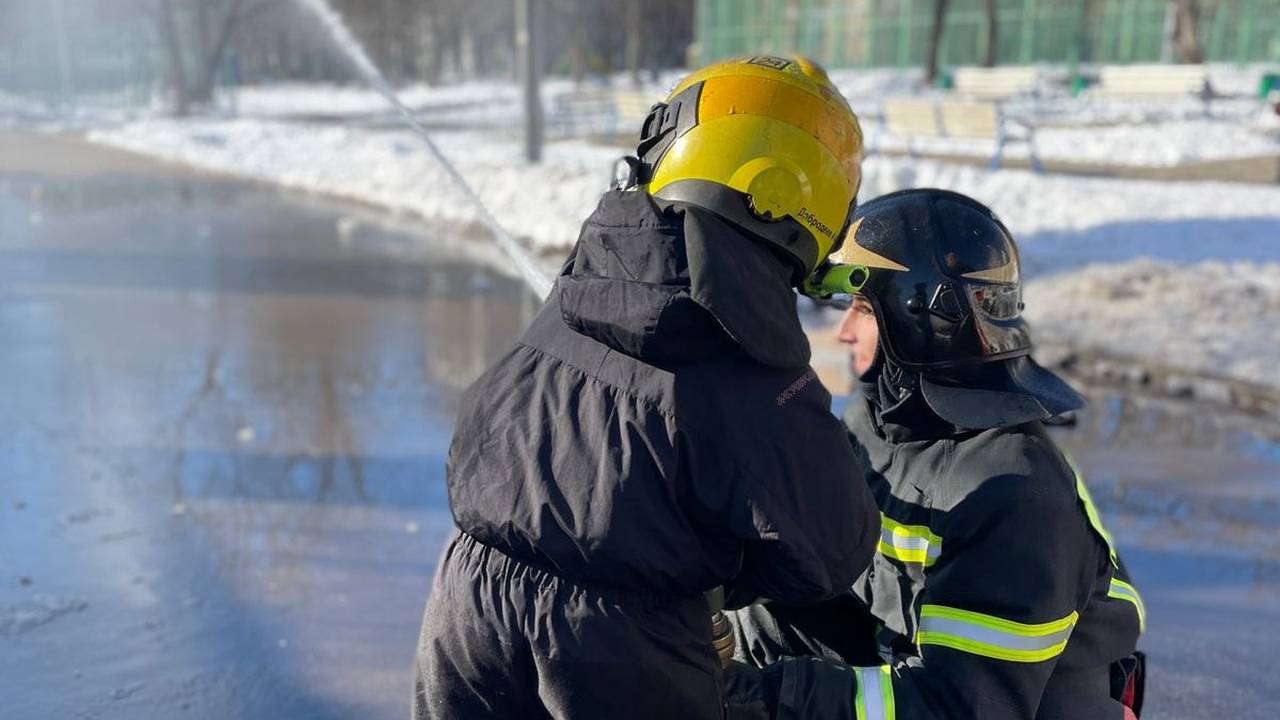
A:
x,y
721,628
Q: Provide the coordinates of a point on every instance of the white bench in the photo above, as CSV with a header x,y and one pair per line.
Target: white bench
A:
x,y
1154,81
913,119
602,110
633,107
996,83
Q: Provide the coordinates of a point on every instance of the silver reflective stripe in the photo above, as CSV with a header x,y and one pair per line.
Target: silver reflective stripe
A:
x,y
992,636
1122,590
909,543
874,698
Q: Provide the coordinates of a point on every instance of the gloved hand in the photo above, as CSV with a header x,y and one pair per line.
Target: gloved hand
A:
x,y
749,694
815,689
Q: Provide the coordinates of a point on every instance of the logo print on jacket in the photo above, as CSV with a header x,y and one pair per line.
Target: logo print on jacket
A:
x,y
794,388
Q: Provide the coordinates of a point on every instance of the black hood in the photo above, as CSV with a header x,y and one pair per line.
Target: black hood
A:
x,y
677,284
898,408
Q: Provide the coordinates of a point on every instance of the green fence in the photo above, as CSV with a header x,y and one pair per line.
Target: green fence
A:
x,y
845,33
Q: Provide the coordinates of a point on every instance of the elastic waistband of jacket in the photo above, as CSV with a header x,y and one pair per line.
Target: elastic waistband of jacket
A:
x,y
477,554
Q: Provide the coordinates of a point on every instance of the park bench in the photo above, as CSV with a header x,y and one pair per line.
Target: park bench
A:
x,y
912,119
996,83
1155,81
602,110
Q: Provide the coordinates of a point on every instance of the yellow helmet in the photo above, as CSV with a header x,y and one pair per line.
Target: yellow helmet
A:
x,y
767,143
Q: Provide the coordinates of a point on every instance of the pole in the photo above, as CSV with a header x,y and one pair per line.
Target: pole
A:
x,y
66,84
529,57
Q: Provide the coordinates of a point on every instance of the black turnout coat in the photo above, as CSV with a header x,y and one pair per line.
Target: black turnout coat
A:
x,y
996,592
655,433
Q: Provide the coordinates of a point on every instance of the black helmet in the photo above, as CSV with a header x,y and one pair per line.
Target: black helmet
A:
x,y
946,287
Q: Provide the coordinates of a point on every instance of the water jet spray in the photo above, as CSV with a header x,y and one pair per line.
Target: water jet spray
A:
x,y
534,277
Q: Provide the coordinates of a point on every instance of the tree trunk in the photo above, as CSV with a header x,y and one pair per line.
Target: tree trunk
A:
x,y
578,52
935,40
1186,32
437,29
212,49
634,31
168,28
993,41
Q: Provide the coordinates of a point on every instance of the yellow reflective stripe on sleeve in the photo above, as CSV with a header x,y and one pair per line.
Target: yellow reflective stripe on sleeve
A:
x,y
1091,510
1122,590
908,543
873,698
991,636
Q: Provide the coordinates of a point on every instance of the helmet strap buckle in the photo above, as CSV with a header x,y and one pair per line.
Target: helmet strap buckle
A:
x,y
664,123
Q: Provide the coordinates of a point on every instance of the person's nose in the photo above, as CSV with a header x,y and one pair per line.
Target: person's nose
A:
x,y
846,331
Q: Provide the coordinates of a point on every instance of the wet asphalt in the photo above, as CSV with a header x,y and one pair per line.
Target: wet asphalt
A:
x,y
222,441
223,423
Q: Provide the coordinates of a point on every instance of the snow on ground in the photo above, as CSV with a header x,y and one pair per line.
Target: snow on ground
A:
x,y
1209,316
1064,222
1072,229
542,203
301,99
1164,144
25,111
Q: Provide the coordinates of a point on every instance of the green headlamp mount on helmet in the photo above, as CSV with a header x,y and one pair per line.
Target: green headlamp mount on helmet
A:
x,y
835,279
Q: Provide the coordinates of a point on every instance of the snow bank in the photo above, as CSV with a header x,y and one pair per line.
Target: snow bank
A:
x,y
543,203
302,99
1063,222
1214,317
1070,228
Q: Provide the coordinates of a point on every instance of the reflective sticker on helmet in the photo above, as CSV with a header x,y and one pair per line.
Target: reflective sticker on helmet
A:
x,y
851,253
1006,273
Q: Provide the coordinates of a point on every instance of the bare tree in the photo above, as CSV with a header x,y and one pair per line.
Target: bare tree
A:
x,y
208,28
1186,31
215,36
993,40
167,26
935,40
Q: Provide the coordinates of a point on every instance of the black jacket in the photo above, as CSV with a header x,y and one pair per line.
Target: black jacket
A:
x,y
996,590
1012,544
658,428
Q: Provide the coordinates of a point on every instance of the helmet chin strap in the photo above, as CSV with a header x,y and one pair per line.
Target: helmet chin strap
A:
x,y
886,383
891,379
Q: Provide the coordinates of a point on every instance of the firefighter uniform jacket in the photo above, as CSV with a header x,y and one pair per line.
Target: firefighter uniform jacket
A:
x,y
996,590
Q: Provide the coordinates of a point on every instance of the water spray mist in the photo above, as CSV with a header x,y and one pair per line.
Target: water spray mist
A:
x,y
537,280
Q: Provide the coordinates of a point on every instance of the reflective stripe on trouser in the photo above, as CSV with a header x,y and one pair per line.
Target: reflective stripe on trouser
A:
x,y
1122,590
873,700
908,543
991,636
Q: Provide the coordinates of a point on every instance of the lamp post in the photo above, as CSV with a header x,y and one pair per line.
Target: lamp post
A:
x,y
529,58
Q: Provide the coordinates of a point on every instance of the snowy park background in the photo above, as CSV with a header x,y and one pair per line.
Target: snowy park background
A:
x,y
1178,273
236,313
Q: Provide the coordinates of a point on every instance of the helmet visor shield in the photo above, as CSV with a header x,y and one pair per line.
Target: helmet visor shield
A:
x,y
997,317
